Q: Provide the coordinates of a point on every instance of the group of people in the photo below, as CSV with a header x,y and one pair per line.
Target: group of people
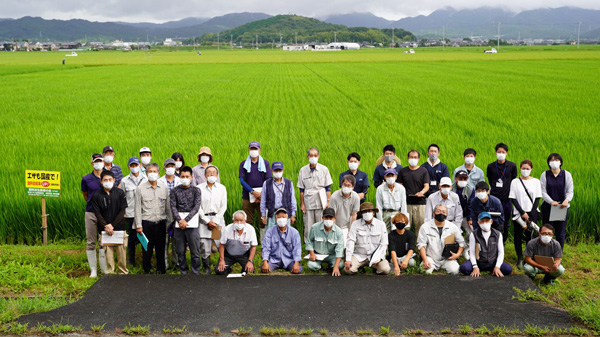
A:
x,y
419,206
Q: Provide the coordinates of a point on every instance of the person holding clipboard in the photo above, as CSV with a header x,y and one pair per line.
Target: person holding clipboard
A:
x,y
543,255
557,193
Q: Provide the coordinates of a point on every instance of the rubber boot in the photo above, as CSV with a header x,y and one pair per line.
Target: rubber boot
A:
x,y
102,260
206,265
91,255
520,263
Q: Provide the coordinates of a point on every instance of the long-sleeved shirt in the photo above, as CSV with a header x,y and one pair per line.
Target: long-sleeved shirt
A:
x,y
110,208
550,183
186,200
500,176
364,239
116,170
437,171
493,204
429,237
452,203
475,174
282,247
390,200
466,195
486,236
214,201
152,203
278,189
199,176
129,184
171,184
326,242
310,182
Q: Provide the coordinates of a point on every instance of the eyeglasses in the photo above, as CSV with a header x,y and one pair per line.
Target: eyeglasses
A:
x,y
546,234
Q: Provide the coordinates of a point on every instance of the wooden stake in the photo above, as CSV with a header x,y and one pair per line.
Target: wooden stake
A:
x,y
44,222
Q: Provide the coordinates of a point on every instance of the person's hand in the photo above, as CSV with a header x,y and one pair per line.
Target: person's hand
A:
x,y
293,220
555,266
336,271
419,194
426,264
564,204
404,263
183,224
347,265
475,272
265,267
264,220
470,223
312,257
211,225
221,266
397,271
249,267
361,196
256,194
109,229
296,268
497,272
139,230
454,256
525,217
327,206
554,203
303,208
547,269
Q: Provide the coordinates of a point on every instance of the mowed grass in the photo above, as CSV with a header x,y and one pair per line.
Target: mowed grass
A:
x,y
53,117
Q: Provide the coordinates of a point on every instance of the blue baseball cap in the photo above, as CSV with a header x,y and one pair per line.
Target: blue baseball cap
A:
x,y
133,160
277,166
390,171
484,215
254,144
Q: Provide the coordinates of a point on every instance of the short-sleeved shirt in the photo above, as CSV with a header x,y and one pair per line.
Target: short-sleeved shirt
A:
x,y
414,181
401,244
536,247
311,181
362,182
90,184
517,192
344,207
248,236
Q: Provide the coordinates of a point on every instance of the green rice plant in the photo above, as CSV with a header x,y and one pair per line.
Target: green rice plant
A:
x,y
384,330
482,330
97,328
465,329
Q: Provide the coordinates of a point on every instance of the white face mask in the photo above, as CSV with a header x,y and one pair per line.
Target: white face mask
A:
x,y
313,160
346,190
462,183
211,179
368,216
328,223
445,190
185,181
98,166
134,170
278,174
146,160
353,166
546,239
239,226
178,164
109,159
555,164
390,181
413,162
204,159
469,160
282,222
108,185
481,195
170,171
152,176
253,153
525,173
486,227
501,156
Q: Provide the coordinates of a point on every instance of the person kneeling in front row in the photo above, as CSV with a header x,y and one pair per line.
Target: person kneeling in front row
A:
x,y
401,244
238,245
544,245
326,238
281,246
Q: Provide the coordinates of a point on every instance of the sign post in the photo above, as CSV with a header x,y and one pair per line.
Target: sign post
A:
x,y
43,184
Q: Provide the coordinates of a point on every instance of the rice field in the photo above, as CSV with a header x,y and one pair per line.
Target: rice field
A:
x,y
53,117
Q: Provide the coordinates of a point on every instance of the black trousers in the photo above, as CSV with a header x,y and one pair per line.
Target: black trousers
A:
x,y
522,235
231,260
132,240
155,232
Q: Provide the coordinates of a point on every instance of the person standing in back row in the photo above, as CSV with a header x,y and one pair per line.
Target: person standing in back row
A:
x,y
474,173
362,180
253,173
557,191
388,161
129,185
500,175
437,170
205,158
415,180
91,184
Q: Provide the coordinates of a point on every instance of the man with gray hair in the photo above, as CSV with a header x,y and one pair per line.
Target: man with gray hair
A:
x,y
238,245
346,204
314,182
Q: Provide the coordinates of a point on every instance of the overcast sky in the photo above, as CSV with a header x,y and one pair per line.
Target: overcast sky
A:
x,y
161,10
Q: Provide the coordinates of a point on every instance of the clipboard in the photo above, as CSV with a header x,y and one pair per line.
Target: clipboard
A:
x,y
216,233
143,240
252,199
117,239
193,223
544,260
323,197
557,213
450,240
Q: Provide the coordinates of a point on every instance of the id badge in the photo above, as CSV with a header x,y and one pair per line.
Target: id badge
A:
x,y
499,183
433,183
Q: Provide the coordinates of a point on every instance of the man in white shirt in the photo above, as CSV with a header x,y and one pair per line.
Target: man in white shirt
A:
x,y
238,245
212,211
367,242
446,197
390,198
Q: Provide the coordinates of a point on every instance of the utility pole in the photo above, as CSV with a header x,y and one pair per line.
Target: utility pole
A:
x,y
256,41
578,31
498,36
218,42
231,42
335,37
296,34
443,37
393,43
280,39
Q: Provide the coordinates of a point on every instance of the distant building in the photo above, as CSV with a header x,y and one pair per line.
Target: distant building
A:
x,y
169,42
344,46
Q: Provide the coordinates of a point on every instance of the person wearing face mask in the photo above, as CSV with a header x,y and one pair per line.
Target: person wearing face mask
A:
x,y
415,180
390,199
108,154
525,194
313,180
129,185
152,214
401,244
179,163
487,251
386,161
466,194
205,158
436,169
474,173
446,197
325,238
109,204
500,174
238,245
212,212
172,181
278,192
431,242
145,158
362,180
281,246
484,202
557,191
544,245
90,184
253,173
185,207
367,242
346,204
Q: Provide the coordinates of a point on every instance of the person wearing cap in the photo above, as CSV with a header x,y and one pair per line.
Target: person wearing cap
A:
x,y
415,180
390,198
437,170
179,163
212,212
129,185
466,194
172,181
90,184
487,250
431,242
253,173
401,244
361,187
109,204
386,161
185,207
325,238
449,199
277,192
108,154
152,214
367,242
484,202
281,246
314,180
474,173
238,245
205,158
544,245
145,158
500,175
346,204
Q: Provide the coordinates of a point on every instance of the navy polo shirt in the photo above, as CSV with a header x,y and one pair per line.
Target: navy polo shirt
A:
x,y
362,182
493,204
436,173
90,184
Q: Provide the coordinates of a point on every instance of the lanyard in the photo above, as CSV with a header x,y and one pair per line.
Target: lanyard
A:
x,y
277,186
503,171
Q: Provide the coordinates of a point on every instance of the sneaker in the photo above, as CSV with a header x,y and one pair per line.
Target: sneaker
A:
x,y
520,264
